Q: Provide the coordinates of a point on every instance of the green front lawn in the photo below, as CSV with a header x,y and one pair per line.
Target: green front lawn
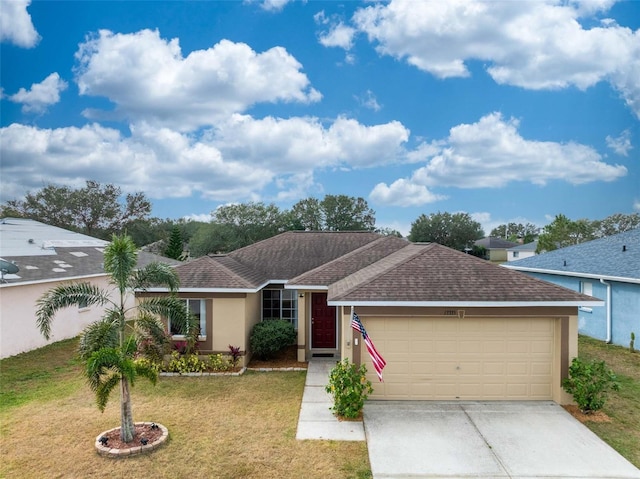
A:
x,y
219,427
623,406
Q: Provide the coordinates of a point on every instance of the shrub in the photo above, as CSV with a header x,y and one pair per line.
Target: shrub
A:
x,y
148,363
632,342
218,363
188,363
271,336
589,383
350,388
234,352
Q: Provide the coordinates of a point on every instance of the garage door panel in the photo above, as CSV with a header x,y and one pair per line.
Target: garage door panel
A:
x,y
463,358
471,346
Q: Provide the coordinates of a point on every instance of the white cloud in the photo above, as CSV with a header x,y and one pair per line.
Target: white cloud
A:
x,y
274,5
161,162
235,161
147,77
287,145
530,44
339,35
490,154
403,192
41,95
15,24
369,100
622,144
636,205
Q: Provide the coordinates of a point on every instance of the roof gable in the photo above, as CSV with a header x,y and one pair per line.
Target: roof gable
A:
x,y
616,256
349,263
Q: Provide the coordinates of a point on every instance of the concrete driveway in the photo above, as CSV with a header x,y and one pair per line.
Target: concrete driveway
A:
x,y
418,439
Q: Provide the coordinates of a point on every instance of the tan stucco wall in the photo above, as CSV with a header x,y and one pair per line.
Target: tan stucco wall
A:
x,y
18,330
302,325
251,318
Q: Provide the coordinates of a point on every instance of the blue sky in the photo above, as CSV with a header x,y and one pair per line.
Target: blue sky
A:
x,y
509,111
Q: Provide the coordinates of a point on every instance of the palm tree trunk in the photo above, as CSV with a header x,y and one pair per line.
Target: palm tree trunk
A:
x,y
126,415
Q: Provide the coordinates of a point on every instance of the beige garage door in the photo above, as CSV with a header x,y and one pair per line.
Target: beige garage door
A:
x,y
451,358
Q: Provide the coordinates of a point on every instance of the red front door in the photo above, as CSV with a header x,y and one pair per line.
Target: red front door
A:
x,y
323,322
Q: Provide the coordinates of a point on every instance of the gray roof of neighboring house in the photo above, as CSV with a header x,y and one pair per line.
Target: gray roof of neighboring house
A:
x,y
55,253
431,273
613,257
525,247
491,242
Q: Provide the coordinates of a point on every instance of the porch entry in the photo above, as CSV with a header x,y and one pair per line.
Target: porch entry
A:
x,y
323,322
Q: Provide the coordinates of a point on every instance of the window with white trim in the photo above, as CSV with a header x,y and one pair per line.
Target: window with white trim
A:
x,y
198,308
280,304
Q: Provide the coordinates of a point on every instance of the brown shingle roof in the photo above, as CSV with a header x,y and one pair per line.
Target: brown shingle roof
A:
x,y
431,273
218,272
349,263
293,253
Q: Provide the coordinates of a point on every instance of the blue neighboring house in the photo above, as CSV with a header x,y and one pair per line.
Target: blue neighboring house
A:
x,y
606,268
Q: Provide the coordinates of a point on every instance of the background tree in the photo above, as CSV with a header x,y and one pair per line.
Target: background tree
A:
x,y
106,349
250,222
457,231
95,210
388,232
212,238
616,223
307,215
516,231
563,232
175,247
346,213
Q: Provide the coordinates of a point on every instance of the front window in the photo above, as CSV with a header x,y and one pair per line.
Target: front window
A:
x,y
280,304
198,308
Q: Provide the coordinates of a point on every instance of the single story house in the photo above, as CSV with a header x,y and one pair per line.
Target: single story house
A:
x,y
449,325
46,256
606,268
496,248
522,251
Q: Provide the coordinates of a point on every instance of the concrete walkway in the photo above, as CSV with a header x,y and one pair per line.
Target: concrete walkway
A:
x,y
316,421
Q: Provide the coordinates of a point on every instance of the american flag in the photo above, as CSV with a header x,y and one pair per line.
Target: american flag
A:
x,y
378,362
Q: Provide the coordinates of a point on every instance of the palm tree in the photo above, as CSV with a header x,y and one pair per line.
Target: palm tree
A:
x,y
109,346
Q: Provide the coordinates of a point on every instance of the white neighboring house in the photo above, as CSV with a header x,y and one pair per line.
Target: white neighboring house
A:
x,y
47,256
522,251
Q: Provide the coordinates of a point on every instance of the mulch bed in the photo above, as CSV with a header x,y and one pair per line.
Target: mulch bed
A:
x,y
596,416
287,358
140,431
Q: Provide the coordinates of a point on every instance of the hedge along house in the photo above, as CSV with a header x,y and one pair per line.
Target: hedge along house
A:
x,y
607,268
450,325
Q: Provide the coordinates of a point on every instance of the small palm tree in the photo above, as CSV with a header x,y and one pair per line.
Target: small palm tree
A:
x,y
109,346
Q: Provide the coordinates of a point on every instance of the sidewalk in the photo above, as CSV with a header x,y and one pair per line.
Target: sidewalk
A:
x,y
316,421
